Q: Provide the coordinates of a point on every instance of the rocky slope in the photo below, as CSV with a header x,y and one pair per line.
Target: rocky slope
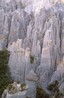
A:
x,y
33,33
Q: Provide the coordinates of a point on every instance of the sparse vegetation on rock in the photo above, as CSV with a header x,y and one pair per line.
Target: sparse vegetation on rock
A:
x,y
11,89
14,88
23,87
54,89
31,59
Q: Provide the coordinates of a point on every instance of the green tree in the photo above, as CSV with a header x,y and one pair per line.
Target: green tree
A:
x,y
4,70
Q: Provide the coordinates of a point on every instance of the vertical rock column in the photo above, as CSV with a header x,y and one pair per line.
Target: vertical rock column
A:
x,y
18,61
31,80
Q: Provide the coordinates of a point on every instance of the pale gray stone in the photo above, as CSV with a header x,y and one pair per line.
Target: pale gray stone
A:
x,y
27,29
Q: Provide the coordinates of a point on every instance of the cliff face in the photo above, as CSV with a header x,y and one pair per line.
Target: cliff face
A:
x,y
36,35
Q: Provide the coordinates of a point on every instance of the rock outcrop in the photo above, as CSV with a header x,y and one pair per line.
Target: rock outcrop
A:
x,y
34,35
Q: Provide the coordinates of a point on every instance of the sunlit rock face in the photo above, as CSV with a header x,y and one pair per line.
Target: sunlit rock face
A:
x,y
20,57
30,30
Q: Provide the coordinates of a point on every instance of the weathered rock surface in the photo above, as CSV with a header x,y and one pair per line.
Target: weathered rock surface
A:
x,y
27,31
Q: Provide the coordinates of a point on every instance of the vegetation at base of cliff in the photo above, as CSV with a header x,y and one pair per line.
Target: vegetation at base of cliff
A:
x,y
31,59
41,93
4,70
54,89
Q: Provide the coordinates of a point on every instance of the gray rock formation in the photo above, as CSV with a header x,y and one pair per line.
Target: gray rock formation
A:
x,y
35,38
31,80
18,95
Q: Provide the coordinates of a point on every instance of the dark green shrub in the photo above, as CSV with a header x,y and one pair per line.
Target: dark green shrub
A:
x,y
58,95
54,89
53,86
11,89
27,97
31,59
23,86
41,93
4,70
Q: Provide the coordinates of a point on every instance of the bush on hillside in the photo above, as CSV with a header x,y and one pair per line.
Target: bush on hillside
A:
x,y
4,70
41,93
